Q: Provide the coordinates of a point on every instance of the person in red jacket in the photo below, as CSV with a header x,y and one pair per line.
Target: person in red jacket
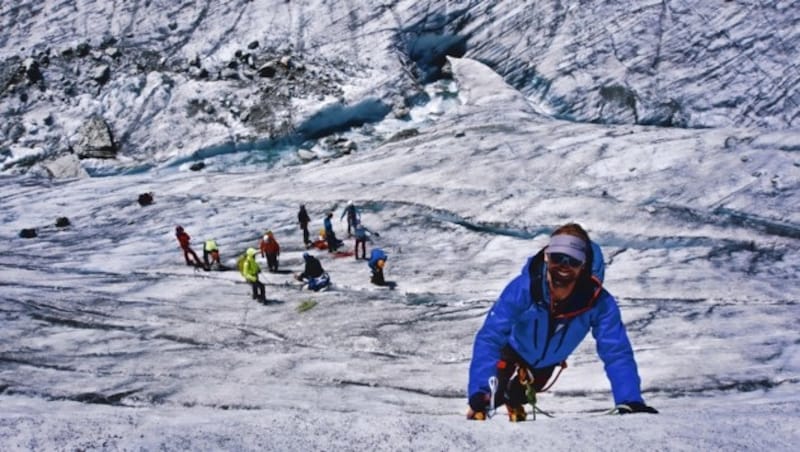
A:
x,y
183,241
271,250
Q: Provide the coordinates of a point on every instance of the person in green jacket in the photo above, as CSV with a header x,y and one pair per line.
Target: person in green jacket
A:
x,y
250,269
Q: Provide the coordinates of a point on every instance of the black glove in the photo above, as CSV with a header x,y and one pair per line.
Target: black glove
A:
x,y
478,403
635,407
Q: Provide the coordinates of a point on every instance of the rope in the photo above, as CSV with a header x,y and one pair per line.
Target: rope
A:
x,y
553,381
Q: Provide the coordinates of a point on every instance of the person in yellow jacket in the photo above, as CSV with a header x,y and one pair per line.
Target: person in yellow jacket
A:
x,y
211,249
250,269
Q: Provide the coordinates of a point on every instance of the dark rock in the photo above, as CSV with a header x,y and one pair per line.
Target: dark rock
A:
x,y
145,199
96,140
10,73
229,74
267,70
32,71
83,49
404,134
101,74
62,222
197,166
108,41
28,233
253,45
70,90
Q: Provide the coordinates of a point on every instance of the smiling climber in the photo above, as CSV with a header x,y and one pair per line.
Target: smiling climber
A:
x,y
539,319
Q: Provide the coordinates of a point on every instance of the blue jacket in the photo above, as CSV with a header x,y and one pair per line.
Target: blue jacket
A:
x,y
521,319
376,255
328,225
361,232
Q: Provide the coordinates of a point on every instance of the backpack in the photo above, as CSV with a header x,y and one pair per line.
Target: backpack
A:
x,y
376,255
240,263
319,282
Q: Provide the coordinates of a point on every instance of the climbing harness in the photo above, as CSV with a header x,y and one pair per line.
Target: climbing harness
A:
x,y
526,379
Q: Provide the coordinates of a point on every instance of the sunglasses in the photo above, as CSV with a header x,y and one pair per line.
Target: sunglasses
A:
x,y
564,259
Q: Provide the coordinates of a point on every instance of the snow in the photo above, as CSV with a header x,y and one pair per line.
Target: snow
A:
x,y
110,342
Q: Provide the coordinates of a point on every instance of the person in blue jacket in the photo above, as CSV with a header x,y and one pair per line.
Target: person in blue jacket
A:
x,y
540,318
377,260
333,242
363,235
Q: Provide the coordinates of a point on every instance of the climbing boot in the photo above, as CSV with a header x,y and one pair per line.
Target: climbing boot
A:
x,y
516,413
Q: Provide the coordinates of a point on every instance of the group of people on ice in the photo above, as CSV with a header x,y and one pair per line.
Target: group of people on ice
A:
x,y
313,274
328,240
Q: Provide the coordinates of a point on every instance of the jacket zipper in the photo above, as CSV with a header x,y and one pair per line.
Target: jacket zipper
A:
x,y
546,342
563,334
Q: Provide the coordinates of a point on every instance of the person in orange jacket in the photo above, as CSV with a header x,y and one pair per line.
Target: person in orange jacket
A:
x,y
271,250
183,240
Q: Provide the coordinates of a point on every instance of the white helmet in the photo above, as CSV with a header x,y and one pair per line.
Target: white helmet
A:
x,y
350,203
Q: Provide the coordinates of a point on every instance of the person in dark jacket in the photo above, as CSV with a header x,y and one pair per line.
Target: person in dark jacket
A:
x,y
313,273
539,319
353,217
303,219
